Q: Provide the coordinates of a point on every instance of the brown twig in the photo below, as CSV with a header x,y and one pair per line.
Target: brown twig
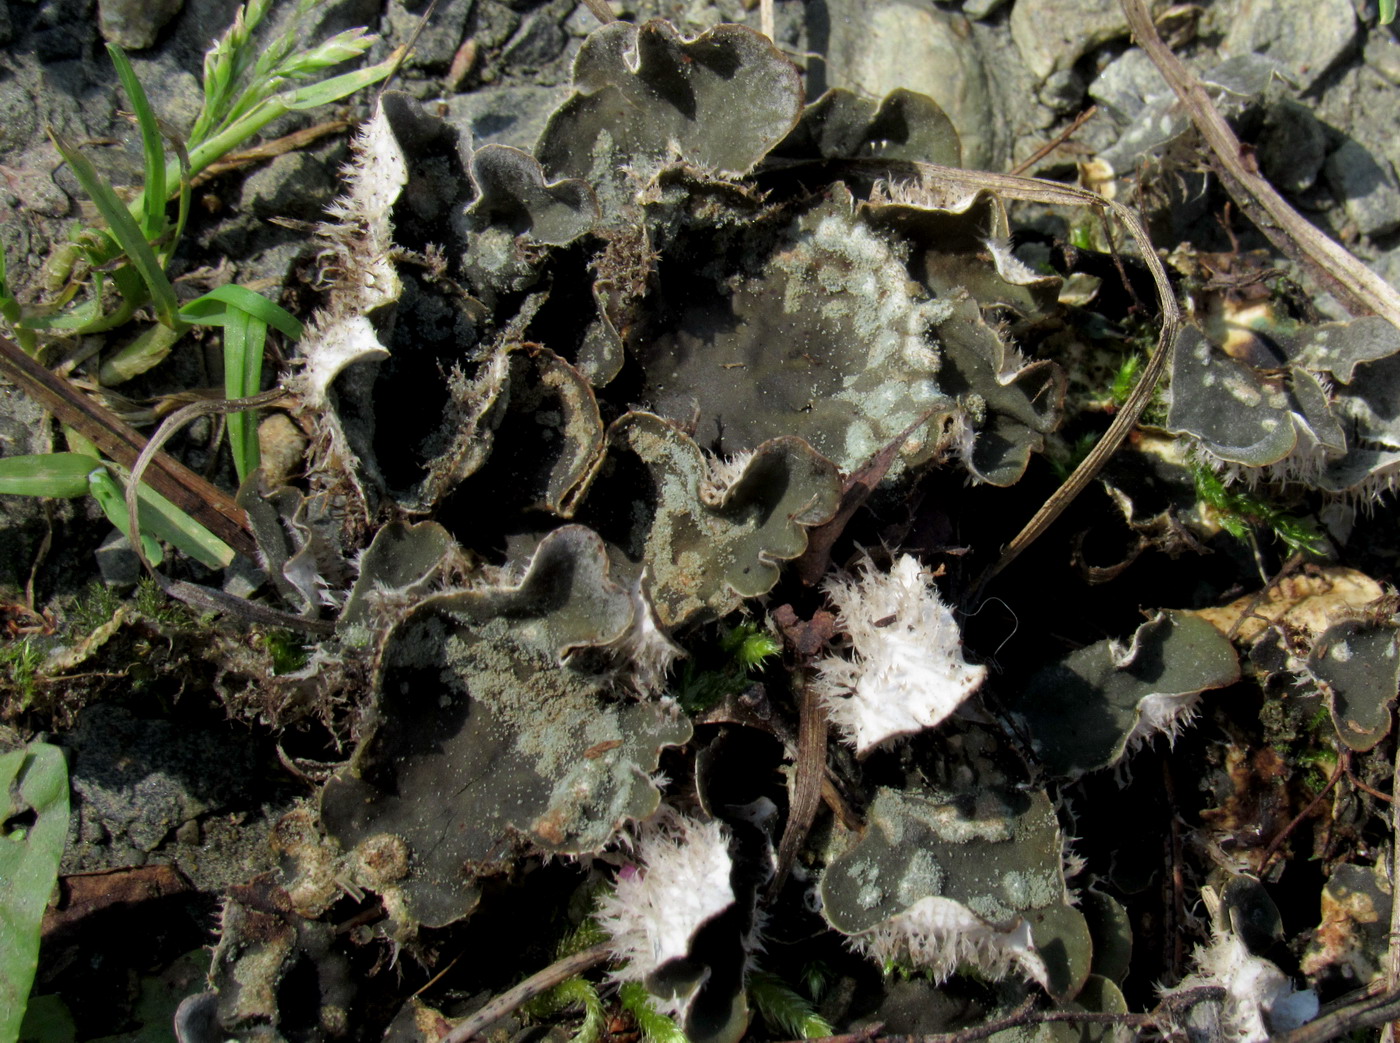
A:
x,y
297,139
541,981
1055,142
1360,289
809,772
1283,834
206,503
601,10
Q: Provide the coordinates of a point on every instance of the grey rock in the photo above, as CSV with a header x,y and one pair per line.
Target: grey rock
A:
x,y
1291,146
1054,34
117,562
504,115
538,41
875,47
981,8
1125,84
440,37
1063,90
295,185
135,24
1366,188
1382,53
1307,39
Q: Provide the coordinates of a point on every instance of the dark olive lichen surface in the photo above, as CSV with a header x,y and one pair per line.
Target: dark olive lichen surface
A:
x,y
643,363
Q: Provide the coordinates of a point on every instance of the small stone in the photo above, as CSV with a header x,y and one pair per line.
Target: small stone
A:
x,y
981,8
283,448
135,24
1307,39
1292,146
1054,34
876,47
294,185
1063,91
538,42
1383,54
117,562
243,579
1366,188
1125,84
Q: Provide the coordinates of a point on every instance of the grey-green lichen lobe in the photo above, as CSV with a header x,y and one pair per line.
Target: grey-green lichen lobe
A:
x,y
486,741
829,339
718,535
997,855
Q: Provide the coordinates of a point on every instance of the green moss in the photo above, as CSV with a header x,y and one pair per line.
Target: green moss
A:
x,y
726,668
289,653
1238,512
787,1012
19,664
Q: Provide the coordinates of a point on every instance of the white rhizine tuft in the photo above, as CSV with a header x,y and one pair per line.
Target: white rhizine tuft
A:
x,y
939,934
646,650
681,882
906,671
1259,998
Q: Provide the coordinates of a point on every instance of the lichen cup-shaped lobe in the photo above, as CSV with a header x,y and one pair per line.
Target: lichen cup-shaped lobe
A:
x,y
484,742
940,883
718,539
646,96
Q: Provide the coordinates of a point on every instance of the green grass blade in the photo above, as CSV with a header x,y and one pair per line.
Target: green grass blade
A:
x,y
147,349
33,785
62,475
153,199
214,307
1387,11
124,228
163,519
243,349
109,497
159,519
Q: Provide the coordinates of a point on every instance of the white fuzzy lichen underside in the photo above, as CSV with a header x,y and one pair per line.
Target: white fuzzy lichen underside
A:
x,y
905,671
940,934
681,882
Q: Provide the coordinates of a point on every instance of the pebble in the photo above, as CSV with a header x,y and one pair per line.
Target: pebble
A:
x,y
135,24
1054,34
1366,188
1306,38
876,47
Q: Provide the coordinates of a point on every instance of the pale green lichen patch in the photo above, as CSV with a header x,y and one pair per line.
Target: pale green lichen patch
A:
x,y
937,882
719,535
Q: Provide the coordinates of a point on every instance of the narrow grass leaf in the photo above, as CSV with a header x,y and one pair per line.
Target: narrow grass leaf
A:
x,y
243,344
109,497
62,475
124,228
164,520
34,790
152,147
144,351
213,308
